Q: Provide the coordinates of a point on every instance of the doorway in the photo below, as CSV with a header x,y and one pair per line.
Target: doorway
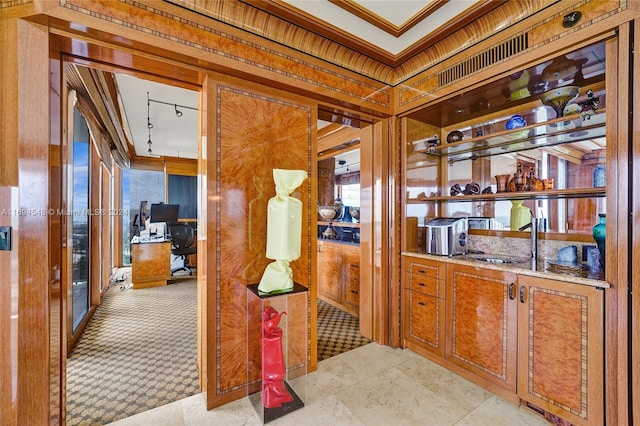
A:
x,y
130,350
338,254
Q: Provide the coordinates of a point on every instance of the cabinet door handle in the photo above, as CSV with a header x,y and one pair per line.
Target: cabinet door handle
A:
x,y
422,284
521,294
354,292
422,304
512,294
421,271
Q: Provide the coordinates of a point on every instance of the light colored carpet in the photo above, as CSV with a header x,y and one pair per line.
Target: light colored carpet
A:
x,y
138,352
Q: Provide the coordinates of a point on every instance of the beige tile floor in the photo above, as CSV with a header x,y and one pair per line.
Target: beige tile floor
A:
x,y
370,385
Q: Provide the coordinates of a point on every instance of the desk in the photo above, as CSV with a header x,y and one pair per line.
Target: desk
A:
x,y
150,264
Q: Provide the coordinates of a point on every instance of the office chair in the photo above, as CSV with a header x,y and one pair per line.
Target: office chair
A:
x,y
182,238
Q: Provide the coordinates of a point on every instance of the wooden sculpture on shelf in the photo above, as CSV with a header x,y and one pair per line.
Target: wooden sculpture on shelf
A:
x,y
274,391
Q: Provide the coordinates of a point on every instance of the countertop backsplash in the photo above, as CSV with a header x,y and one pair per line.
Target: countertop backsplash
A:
x,y
547,249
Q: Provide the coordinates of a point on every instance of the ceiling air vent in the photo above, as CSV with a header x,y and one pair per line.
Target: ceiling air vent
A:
x,y
483,60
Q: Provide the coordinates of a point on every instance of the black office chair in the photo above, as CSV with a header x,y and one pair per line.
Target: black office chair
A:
x,y
182,238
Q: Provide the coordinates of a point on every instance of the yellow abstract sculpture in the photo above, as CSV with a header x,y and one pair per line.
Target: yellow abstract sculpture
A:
x,y
284,231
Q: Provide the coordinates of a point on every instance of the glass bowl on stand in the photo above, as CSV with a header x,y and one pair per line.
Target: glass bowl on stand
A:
x,y
559,98
328,213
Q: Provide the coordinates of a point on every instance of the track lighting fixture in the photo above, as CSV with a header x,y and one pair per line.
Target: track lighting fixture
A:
x,y
150,126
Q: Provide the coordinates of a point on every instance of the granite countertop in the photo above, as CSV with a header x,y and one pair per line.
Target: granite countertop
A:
x,y
522,266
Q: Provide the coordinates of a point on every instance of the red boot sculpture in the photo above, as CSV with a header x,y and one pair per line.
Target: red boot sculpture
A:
x,y
274,392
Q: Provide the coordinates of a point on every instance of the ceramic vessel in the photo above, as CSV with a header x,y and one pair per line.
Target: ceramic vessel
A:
x,y
515,122
328,213
520,215
454,136
599,234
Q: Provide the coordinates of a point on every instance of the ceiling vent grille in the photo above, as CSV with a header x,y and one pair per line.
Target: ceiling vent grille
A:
x,y
483,60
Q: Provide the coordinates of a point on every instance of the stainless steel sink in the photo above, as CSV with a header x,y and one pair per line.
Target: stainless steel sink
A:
x,y
496,259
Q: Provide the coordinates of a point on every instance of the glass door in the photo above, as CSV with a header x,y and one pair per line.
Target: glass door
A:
x,y
80,220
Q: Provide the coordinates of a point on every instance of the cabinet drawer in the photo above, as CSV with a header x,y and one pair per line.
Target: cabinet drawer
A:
x,y
425,267
427,285
424,321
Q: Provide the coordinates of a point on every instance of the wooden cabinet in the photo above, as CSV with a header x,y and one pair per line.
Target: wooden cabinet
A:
x,y
424,304
560,348
482,325
329,271
339,275
150,264
536,339
351,259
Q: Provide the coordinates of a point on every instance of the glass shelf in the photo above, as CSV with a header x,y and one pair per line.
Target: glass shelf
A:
x,y
563,130
525,195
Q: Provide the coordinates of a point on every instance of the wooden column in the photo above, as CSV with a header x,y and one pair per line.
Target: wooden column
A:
x,y
240,157
26,287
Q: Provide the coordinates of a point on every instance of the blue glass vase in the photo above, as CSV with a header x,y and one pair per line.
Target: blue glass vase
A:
x,y
599,234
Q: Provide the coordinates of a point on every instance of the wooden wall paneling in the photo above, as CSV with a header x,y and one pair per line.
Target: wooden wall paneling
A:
x,y
9,292
10,82
172,32
9,202
367,259
635,273
180,166
95,224
374,231
57,233
206,195
106,230
31,236
118,217
9,88
326,181
240,159
394,223
617,241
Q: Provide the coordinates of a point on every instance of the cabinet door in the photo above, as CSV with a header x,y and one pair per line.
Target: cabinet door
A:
x,y
330,271
424,321
560,365
351,259
482,323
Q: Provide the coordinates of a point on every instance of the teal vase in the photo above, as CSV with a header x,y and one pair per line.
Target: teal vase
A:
x,y
599,234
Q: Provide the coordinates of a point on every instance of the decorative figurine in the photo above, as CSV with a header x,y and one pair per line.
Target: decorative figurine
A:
x,y
284,232
274,391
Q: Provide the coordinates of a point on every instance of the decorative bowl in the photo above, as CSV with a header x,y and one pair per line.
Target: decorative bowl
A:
x,y
559,98
327,212
515,122
454,136
355,213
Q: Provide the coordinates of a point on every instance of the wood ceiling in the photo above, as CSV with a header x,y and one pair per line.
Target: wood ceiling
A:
x,y
352,35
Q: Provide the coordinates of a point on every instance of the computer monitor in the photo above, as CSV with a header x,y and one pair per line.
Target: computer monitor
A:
x,y
164,212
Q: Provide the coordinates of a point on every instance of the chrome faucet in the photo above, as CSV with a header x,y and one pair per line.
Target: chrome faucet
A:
x,y
533,243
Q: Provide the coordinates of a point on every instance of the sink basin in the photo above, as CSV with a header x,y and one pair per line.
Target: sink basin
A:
x,y
497,259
